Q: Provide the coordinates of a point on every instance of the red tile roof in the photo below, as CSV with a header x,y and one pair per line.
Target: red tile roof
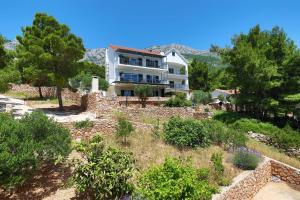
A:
x,y
142,51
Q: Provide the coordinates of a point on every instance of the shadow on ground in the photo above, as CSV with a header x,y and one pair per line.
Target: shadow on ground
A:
x,y
44,183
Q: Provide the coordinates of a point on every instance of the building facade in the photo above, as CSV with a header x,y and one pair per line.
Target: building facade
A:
x,y
165,72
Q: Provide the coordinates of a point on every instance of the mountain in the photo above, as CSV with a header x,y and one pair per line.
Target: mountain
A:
x,y
11,44
97,55
181,48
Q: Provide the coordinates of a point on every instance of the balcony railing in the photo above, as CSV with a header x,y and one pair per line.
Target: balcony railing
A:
x,y
127,61
139,62
134,80
178,87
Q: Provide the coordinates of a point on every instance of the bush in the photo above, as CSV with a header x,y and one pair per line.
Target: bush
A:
x,y
220,134
106,173
25,144
178,101
216,159
246,159
84,124
203,174
174,179
124,128
281,138
143,92
201,97
185,133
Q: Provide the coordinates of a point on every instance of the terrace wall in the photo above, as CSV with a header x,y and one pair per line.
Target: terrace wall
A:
x,y
246,187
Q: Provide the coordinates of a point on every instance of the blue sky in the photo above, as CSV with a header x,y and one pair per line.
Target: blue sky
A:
x,y
141,23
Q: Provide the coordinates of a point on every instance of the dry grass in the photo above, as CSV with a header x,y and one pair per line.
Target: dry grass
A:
x,y
272,152
149,151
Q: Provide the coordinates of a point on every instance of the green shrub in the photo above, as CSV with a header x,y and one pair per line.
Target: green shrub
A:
x,y
202,97
185,133
25,144
221,134
218,167
246,159
281,138
106,173
178,101
203,174
84,124
124,128
174,179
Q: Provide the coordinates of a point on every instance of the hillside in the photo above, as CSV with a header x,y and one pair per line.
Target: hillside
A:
x,y
190,53
97,55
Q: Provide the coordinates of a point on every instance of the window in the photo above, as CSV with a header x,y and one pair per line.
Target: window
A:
x,y
171,84
140,78
173,53
171,71
183,82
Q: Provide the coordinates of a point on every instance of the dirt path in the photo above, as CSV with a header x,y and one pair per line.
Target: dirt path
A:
x,y
278,191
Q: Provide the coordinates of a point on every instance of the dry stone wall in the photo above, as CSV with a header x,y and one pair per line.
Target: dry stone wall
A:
x,y
285,172
46,91
245,188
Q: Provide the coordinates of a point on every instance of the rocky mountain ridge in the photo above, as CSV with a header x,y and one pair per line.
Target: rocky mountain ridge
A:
x,y
97,55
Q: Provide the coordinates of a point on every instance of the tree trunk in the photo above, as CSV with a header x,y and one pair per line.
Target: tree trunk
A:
x,y
40,92
59,97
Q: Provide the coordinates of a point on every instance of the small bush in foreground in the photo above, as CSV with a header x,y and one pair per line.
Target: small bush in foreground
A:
x,y
25,144
124,128
174,179
84,124
246,159
185,133
106,172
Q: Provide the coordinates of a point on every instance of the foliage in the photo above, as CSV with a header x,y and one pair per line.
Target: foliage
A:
x,y
143,91
203,174
221,97
49,47
84,124
3,56
246,159
174,179
106,172
281,138
27,143
124,128
198,75
83,79
218,167
185,133
8,71
178,101
155,129
200,96
219,134
8,75
264,66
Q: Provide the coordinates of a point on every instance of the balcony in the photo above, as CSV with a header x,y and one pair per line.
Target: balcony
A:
x,y
131,61
140,62
137,78
178,86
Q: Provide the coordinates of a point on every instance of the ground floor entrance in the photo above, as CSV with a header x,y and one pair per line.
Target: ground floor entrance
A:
x,y
128,90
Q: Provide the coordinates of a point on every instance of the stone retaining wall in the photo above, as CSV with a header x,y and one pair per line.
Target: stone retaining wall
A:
x,y
246,187
46,91
285,172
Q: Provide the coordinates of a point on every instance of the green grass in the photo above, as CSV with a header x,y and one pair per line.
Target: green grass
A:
x,y
19,95
272,152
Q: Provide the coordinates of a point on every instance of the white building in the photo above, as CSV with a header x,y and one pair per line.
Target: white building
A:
x,y
128,67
